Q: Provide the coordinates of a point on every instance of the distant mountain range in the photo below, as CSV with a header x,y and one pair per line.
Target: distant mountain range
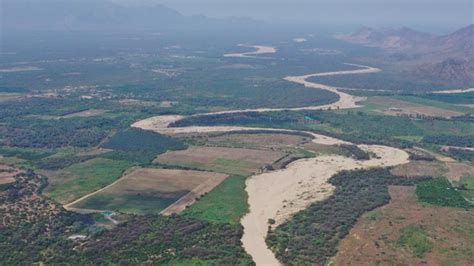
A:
x,y
448,58
100,15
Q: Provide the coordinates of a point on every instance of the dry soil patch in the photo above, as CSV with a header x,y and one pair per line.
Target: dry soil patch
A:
x,y
373,240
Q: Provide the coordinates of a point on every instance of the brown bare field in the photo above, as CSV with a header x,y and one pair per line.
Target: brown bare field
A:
x,y
164,180
221,159
7,174
86,113
268,141
456,170
375,238
420,168
407,108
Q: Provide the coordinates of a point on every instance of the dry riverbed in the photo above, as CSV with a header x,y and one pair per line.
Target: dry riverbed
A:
x,y
279,194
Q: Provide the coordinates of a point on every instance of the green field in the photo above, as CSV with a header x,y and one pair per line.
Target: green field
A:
x,y
439,191
142,203
414,238
227,203
80,179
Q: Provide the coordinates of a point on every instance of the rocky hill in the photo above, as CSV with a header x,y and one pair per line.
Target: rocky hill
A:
x,y
448,59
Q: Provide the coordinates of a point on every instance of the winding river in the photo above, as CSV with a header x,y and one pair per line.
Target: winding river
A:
x,y
280,194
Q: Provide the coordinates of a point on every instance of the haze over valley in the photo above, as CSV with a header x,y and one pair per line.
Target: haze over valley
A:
x,y
236,133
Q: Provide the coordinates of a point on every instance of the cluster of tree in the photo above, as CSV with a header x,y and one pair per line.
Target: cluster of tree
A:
x,y
382,82
312,235
463,118
418,156
55,163
79,132
32,227
356,127
141,239
354,151
13,89
10,110
162,240
245,119
462,155
25,154
450,140
141,146
456,98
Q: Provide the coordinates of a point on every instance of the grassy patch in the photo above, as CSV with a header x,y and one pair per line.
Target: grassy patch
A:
x,y
141,203
80,179
435,103
467,182
374,215
414,238
227,203
440,192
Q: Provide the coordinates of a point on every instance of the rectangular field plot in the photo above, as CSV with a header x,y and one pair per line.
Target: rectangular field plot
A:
x,y
260,141
235,161
7,175
146,190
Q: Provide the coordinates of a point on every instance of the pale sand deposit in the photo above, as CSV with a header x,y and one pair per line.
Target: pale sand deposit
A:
x,y
160,123
260,49
454,91
279,194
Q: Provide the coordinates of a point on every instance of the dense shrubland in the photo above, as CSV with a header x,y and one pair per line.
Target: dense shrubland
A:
x,y
450,140
312,235
139,145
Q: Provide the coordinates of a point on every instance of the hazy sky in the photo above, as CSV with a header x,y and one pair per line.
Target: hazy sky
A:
x,y
416,13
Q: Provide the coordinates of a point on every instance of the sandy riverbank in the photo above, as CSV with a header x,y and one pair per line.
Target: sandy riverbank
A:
x,y
279,194
259,49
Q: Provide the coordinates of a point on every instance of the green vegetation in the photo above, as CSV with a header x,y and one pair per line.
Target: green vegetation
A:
x,y
358,127
461,141
419,99
467,182
26,154
312,235
232,167
37,232
439,191
456,98
462,155
354,151
166,241
226,203
139,145
136,203
80,179
385,82
414,238
79,132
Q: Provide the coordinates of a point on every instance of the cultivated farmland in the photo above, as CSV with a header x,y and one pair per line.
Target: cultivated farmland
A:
x,y
235,161
148,190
